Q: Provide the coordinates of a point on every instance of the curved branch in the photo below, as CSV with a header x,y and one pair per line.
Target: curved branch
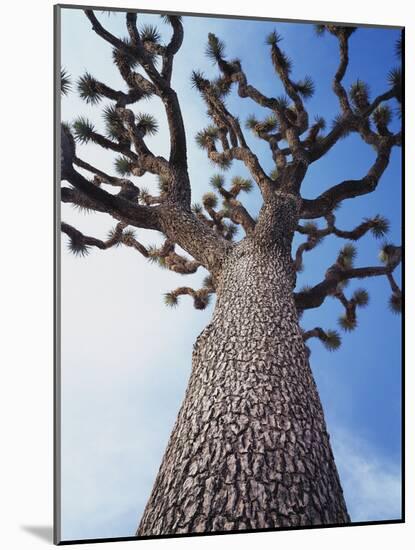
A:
x,y
250,160
282,68
179,190
312,241
315,296
378,225
128,189
166,257
347,189
330,338
78,199
80,242
377,101
116,205
343,38
201,297
172,48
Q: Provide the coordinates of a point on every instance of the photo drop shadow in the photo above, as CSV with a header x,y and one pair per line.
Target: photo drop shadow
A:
x,y
44,532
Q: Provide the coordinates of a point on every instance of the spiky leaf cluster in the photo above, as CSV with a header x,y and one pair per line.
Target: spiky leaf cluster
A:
x,y
337,121
155,258
347,255
82,209
251,122
399,47
169,18
170,299
348,322
217,181
395,302
215,48
241,184
283,102
88,89
83,129
210,200
122,166
197,79
305,87
114,126
395,81
361,297
359,93
147,124
112,234
78,247
223,162
395,78
129,234
320,122
266,126
150,33
280,59
144,194
382,116
206,135
123,59
65,82
270,124
273,38
380,226
332,340
387,253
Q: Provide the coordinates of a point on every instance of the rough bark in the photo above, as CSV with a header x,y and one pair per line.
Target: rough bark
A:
x,y
249,449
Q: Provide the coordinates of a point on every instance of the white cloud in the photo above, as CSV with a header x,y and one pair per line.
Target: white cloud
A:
x,y
371,482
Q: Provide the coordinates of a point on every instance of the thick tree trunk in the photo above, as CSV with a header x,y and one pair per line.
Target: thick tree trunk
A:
x,y
250,448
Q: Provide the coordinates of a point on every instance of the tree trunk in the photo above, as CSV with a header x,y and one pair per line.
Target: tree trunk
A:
x,y
249,449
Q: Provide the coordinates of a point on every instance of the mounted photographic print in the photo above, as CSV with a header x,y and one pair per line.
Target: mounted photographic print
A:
x,y
228,274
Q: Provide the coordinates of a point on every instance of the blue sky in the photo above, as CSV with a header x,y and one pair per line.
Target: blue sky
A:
x,y
126,358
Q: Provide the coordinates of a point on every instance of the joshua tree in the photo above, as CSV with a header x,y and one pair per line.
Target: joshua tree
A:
x,y
249,448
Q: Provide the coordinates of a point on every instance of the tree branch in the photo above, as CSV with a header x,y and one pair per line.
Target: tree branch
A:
x,y
378,225
330,338
179,190
119,207
201,297
337,273
348,189
80,243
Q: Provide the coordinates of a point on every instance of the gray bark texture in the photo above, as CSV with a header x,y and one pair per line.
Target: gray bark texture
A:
x,y
249,449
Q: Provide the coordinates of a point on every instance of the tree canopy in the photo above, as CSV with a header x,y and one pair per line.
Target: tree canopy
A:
x,y
201,234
